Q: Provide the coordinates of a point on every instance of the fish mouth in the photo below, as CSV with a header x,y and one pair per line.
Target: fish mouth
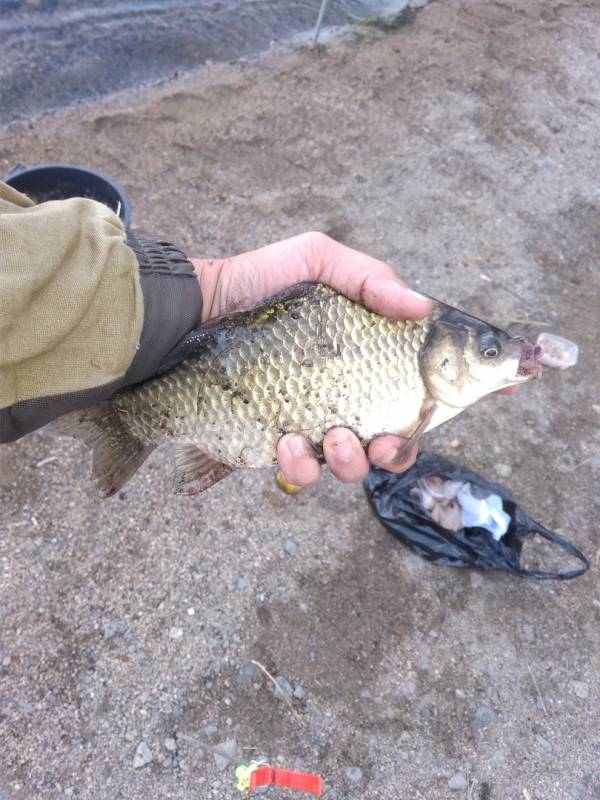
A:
x,y
530,365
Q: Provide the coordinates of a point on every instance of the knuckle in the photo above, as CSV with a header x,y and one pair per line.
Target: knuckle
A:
x,y
316,242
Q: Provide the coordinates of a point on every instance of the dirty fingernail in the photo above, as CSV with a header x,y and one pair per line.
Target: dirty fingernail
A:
x,y
298,447
285,485
343,449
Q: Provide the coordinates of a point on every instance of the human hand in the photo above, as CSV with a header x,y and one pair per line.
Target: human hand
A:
x,y
236,283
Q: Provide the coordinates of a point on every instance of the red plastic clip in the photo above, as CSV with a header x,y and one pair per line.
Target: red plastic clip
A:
x,y
286,779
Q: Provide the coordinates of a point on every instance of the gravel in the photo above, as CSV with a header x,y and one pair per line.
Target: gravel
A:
x,y
284,686
485,716
227,754
458,782
581,689
354,774
291,547
143,756
299,692
112,628
247,674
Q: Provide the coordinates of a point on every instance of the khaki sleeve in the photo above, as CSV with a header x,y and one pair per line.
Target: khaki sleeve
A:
x,y
86,309
71,304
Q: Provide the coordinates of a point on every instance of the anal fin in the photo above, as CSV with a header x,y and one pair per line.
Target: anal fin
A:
x,y
196,471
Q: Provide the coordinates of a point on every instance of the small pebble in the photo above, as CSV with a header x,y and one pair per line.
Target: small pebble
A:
x,y
170,744
504,470
457,782
291,547
528,632
143,756
284,686
484,716
299,692
581,689
353,773
227,754
408,688
544,743
247,673
111,629
455,443
210,730
175,633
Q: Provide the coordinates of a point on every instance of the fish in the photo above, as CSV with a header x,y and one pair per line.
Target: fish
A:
x,y
304,361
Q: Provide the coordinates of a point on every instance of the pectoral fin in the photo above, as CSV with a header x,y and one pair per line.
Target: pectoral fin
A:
x,y
415,436
196,471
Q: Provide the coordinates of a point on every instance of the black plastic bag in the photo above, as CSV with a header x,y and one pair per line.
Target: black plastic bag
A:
x,y
402,514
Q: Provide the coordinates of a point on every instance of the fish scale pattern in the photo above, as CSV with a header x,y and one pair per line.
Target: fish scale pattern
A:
x,y
304,365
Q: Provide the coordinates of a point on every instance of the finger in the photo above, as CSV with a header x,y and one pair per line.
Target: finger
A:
x,y
508,390
368,281
344,455
297,460
386,452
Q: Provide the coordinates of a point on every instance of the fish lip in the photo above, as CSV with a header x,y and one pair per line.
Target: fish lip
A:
x,y
530,365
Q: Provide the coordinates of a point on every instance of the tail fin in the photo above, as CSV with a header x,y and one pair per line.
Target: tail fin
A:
x,y
116,453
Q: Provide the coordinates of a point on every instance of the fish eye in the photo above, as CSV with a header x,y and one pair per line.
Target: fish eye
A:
x,y
489,346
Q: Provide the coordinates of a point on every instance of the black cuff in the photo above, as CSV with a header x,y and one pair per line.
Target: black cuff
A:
x,y
172,308
172,303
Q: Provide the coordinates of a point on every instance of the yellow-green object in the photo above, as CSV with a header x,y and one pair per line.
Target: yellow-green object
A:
x,y
243,774
288,488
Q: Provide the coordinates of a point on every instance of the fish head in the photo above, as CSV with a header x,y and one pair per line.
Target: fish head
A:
x,y
465,358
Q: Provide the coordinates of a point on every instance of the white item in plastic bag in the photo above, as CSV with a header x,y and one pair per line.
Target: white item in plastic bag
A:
x,y
452,505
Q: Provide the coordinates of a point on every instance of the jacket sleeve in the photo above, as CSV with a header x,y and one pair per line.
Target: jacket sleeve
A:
x,y
85,309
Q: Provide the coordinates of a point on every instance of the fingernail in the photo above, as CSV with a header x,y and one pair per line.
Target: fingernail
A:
x,y
397,456
418,296
343,449
285,485
297,447
390,456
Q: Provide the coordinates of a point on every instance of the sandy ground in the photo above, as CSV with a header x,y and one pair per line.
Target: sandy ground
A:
x,y
464,144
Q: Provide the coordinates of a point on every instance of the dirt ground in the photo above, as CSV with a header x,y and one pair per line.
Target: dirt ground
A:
x,y
462,147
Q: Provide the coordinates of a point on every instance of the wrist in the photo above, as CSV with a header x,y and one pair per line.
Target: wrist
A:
x,y
208,272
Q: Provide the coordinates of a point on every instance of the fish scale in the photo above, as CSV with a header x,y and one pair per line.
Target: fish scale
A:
x,y
329,363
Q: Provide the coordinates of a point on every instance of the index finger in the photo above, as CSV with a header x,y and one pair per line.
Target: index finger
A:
x,y
368,281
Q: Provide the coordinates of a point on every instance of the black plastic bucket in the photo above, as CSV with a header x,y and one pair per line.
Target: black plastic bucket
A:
x,y
61,181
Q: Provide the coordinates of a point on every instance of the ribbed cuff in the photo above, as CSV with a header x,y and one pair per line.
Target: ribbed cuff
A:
x,y
172,303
